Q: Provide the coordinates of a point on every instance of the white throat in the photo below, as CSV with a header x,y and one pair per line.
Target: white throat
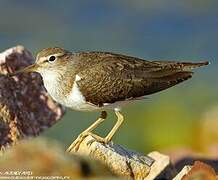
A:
x,y
51,82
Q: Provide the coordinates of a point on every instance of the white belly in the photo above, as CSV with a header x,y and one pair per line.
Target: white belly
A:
x,y
76,101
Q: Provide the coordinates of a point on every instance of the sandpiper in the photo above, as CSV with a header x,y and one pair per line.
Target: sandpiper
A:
x,y
102,81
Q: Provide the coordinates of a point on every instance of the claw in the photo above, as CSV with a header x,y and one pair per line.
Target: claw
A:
x,y
75,145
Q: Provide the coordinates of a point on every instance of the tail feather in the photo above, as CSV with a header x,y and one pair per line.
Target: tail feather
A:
x,y
170,74
189,65
172,67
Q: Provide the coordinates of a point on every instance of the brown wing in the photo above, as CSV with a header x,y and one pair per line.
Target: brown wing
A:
x,y
107,78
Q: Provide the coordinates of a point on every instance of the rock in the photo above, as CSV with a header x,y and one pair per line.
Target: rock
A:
x,y
200,171
25,107
125,162
183,172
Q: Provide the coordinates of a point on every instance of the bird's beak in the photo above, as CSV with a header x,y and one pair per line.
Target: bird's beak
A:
x,y
31,68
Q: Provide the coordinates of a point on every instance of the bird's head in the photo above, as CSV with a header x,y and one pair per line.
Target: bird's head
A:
x,y
47,60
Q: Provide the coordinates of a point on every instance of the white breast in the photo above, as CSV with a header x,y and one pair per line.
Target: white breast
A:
x,y
76,100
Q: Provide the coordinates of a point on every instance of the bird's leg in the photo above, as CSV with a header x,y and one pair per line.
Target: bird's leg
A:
x,y
113,130
120,119
75,145
110,135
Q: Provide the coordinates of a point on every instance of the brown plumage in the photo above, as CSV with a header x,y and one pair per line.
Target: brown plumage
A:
x,y
108,77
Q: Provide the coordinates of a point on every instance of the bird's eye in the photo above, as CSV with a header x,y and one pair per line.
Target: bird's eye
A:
x,y
52,58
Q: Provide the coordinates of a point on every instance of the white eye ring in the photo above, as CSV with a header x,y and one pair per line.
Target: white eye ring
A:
x,y
51,58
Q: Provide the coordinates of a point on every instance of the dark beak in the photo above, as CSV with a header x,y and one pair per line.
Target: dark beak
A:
x,y
28,69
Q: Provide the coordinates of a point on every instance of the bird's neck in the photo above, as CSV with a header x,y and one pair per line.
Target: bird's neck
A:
x,y
57,84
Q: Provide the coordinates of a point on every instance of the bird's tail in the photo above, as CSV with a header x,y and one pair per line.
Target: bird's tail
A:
x,y
190,65
176,72
170,74
172,67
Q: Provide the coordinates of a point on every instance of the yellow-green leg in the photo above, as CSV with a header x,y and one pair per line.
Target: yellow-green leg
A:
x,y
110,135
76,143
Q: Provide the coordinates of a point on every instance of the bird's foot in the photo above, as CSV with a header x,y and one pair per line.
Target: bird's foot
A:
x,y
100,139
76,144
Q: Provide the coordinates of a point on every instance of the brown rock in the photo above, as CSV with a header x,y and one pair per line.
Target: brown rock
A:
x,y
25,107
200,171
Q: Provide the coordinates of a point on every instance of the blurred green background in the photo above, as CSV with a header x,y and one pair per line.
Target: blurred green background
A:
x,y
150,29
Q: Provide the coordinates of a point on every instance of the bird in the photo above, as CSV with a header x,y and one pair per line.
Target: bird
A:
x,y
104,81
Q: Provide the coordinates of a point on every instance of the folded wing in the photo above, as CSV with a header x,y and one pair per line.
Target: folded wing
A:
x,y
111,77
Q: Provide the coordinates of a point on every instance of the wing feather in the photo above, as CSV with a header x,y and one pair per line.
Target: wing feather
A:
x,y
107,77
